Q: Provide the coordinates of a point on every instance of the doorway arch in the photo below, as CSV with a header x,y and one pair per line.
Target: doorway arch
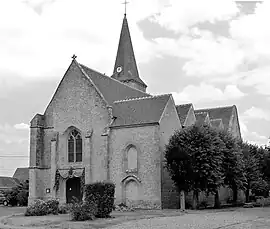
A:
x,y
73,189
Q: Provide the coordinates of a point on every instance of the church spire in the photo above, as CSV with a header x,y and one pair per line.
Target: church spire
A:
x,y
125,68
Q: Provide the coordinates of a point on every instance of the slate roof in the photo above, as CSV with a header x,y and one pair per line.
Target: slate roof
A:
x,y
201,117
182,111
125,58
22,174
112,89
140,111
216,122
8,182
224,113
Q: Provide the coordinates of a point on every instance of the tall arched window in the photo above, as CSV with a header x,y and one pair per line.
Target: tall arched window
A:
x,y
132,158
74,147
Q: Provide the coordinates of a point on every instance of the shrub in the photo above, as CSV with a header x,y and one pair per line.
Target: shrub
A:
x,y
203,204
188,204
22,198
41,207
63,209
101,194
38,208
52,206
81,211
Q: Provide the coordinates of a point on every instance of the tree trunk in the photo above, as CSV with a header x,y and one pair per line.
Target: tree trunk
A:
x,y
182,200
195,200
217,202
235,193
247,195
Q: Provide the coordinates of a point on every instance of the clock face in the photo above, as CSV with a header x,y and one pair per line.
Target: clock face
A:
x,y
119,69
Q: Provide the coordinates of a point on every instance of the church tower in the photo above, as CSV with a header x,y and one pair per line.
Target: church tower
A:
x,y
125,68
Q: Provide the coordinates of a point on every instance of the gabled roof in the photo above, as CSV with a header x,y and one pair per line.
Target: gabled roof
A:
x,y
225,113
216,122
22,174
8,182
182,111
112,89
125,58
147,110
201,117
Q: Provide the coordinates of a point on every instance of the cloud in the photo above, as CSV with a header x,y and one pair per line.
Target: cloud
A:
x,y
206,55
205,92
21,126
257,113
251,136
41,43
179,15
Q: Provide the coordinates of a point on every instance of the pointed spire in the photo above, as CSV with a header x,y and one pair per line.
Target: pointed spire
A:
x,y
125,68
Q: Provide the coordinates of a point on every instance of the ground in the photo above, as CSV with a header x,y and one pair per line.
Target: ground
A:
x,y
237,218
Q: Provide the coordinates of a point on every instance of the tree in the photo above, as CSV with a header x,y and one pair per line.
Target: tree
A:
x,y
194,160
233,164
251,166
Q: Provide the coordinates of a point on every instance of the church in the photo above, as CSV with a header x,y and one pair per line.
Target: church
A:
x,y
101,128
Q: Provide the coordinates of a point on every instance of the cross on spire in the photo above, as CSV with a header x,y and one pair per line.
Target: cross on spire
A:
x,y
125,6
74,57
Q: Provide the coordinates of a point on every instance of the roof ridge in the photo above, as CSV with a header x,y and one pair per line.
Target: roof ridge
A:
x,y
216,119
112,79
212,108
185,104
141,98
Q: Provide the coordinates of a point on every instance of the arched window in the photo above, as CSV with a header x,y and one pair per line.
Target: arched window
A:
x,y
132,158
74,147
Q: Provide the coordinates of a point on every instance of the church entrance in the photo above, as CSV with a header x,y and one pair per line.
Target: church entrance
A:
x,y
73,189
131,193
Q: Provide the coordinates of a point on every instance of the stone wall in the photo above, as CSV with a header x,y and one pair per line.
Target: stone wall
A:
x,y
168,124
146,141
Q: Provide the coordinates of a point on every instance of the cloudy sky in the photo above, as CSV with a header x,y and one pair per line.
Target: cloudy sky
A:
x,y
208,52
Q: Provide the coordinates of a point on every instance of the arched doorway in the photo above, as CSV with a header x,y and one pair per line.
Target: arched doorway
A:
x,y
73,189
131,193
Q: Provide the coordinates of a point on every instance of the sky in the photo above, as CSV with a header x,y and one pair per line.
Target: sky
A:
x,y
208,52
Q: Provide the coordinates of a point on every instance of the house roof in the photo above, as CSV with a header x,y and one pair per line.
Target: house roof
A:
x,y
182,111
223,113
8,182
112,89
22,174
216,122
125,58
201,117
140,111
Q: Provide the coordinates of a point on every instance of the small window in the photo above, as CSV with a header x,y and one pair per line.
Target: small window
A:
x,y
132,158
74,147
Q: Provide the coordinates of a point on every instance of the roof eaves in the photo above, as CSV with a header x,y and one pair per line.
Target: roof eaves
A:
x,y
134,125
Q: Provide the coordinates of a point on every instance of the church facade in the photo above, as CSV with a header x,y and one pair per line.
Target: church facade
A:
x,y
100,128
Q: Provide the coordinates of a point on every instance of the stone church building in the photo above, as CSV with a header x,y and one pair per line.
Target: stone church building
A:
x,y
100,128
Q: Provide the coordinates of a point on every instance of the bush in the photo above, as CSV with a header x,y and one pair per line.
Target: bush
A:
x,y
38,208
41,207
203,204
63,209
188,204
81,211
101,194
52,206
22,198
11,196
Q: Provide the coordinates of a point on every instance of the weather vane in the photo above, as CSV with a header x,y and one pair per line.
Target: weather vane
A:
x,y
74,57
125,6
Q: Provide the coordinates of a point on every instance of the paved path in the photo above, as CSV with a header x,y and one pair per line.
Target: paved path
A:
x,y
5,211
241,219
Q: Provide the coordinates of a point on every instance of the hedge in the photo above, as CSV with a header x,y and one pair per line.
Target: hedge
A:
x,y
100,194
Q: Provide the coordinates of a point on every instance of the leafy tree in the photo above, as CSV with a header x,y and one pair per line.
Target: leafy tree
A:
x,y
251,166
194,158
233,164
